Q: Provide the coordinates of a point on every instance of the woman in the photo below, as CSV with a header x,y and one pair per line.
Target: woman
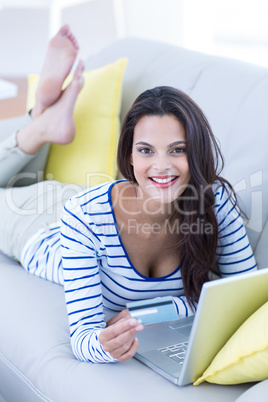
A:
x,y
162,231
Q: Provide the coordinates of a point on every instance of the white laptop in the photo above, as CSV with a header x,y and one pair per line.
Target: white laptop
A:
x,y
223,306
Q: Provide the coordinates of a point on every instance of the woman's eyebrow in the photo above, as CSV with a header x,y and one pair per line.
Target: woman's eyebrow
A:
x,y
176,143
144,143
169,146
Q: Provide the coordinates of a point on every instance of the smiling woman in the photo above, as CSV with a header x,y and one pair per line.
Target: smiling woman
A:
x,y
160,232
169,153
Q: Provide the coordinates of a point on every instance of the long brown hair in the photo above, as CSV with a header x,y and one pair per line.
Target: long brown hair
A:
x,y
197,250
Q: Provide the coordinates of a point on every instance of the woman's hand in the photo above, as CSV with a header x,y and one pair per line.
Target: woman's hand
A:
x,y
118,338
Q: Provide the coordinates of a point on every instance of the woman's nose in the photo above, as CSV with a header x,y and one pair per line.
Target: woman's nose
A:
x,y
162,163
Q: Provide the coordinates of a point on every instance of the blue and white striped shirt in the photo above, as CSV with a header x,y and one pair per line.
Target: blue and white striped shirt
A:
x,y
85,254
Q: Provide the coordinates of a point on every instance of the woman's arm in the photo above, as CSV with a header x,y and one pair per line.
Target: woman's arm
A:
x,y
234,253
183,307
90,340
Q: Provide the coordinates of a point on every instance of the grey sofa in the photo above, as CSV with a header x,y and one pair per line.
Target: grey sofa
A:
x,y
36,361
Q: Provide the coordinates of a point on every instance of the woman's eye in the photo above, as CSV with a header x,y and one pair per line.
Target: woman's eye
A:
x,y
178,150
145,150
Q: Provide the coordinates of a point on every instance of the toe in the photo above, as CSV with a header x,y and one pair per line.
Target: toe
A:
x,y
64,30
73,40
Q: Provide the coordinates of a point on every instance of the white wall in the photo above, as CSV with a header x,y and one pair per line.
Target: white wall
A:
x,y
24,34
155,19
234,28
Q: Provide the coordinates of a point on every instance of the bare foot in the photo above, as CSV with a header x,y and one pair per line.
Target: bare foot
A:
x,y
56,124
59,117
61,54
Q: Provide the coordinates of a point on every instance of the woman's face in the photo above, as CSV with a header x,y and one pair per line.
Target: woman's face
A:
x,y
159,157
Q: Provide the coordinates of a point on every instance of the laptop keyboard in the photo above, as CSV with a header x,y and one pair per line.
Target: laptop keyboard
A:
x,y
175,352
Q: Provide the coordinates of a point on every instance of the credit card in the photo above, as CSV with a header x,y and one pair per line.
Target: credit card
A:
x,y
152,311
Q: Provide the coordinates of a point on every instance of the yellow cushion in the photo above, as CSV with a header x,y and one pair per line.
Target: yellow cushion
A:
x,y
244,358
91,158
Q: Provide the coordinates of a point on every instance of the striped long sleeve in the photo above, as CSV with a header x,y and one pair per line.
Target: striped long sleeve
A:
x,y
234,253
82,284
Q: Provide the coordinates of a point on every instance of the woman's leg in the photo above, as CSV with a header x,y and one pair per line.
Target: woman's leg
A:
x,y
24,210
60,56
12,159
15,156
56,124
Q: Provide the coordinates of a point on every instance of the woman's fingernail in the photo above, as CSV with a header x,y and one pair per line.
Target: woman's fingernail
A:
x,y
139,327
133,322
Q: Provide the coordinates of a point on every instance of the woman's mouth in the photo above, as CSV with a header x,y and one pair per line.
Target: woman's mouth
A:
x,y
163,181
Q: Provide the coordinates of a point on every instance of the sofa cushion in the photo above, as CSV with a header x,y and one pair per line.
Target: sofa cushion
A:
x,y
91,158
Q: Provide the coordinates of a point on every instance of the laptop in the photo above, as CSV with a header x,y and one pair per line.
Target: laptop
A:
x,y
223,306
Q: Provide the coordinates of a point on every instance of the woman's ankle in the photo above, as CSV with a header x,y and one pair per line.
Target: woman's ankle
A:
x,y
36,111
30,138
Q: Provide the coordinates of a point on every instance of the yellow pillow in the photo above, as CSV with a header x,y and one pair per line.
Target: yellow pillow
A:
x,y
244,358
91,158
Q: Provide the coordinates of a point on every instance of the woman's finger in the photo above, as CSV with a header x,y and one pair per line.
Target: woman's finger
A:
x,y
131,352
124,314
121,343
113,331
117,353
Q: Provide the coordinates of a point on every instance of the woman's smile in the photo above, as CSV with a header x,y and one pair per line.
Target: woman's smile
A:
x,y
163,181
